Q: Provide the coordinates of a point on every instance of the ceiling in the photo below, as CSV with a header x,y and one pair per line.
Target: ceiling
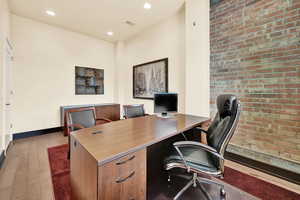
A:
x,y
97,17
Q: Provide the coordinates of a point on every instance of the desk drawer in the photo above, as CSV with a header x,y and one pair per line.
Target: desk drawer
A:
x,y
124,178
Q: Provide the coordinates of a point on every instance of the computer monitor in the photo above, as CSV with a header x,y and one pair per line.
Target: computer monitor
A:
x,y
165,103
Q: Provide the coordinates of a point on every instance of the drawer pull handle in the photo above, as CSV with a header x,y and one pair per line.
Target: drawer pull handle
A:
x,y
125,161
124,179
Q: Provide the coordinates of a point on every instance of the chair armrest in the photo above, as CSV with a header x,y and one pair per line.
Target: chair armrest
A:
x,y
76,126
202,130
205,147
104,119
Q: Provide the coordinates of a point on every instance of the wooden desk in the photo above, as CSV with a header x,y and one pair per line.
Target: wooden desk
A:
x,y
112,164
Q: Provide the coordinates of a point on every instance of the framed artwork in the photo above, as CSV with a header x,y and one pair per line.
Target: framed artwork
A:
x,y
89,81
150,78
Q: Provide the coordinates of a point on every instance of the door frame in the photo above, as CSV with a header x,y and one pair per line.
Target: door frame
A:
x,y
7,53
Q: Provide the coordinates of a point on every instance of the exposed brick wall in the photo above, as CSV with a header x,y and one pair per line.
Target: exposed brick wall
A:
x,y
255,54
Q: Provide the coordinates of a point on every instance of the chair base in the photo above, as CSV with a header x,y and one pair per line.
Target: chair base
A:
x,y
197,181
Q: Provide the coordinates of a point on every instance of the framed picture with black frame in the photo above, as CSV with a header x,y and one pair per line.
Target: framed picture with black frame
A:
x,y
150,78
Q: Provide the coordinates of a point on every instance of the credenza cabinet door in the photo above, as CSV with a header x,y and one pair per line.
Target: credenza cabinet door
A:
x,y
111,112
124,178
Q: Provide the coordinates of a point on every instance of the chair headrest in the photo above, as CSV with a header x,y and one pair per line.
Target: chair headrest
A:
x,y
226,104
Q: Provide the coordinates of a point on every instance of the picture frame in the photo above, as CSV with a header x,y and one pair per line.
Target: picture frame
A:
x,y
89,81
150,78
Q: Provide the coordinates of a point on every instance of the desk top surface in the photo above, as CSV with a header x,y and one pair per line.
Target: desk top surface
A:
x,y
119,138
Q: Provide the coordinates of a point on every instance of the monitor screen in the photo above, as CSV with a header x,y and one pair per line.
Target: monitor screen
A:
x,y
165,102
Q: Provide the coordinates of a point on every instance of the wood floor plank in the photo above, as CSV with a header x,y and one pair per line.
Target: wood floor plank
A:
x,y
20,186
5,193
7,174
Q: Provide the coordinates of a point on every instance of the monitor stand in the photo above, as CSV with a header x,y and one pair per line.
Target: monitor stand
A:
x,y
165,115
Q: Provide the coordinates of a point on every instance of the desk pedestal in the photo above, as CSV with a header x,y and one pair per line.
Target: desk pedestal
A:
x,y
123,178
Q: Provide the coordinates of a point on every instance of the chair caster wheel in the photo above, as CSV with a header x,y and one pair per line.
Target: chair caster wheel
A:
x,y
222,192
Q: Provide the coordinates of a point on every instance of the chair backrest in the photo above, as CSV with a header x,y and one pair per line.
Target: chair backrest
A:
x,y
225,122
83,116
132,111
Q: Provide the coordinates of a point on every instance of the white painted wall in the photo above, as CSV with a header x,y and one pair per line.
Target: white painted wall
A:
x,y
121,64
45,57
164,40
197,57
44,77
4,34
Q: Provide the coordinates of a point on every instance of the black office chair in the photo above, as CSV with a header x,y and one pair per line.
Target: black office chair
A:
x,y
208,159
132,111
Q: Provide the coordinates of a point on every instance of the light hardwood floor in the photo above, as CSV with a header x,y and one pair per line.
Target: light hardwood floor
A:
x,y
26,173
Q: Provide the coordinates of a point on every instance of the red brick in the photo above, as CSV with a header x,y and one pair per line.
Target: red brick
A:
x,y
284,69
257,58
292,85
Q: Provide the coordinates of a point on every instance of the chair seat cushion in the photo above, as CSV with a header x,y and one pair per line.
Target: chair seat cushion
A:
x,y
196,158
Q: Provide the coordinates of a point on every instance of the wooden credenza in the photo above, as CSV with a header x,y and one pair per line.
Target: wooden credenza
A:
x,y
109,111
109,161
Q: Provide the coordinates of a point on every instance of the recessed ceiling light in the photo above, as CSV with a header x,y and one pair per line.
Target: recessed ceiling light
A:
x,y
110,33
147,5
50,12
